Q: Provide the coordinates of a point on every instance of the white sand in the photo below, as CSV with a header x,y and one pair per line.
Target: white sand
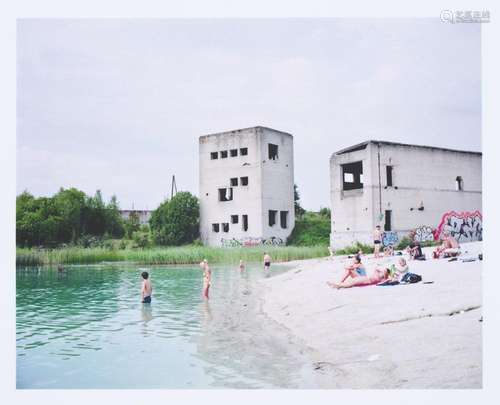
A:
x,y
385,337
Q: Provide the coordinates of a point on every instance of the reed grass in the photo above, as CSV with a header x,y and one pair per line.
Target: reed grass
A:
x,y
163,255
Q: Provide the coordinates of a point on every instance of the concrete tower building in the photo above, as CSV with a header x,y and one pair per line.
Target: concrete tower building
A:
x,y
406,189
246,187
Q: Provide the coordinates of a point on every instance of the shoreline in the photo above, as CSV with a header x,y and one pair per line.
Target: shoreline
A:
x,y
406,336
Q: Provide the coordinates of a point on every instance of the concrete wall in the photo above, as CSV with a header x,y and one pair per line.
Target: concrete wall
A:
x,y
422,177
267,184
277,184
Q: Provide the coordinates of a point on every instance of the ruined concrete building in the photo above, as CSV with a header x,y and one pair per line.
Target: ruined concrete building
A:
x,y
246,187
409,190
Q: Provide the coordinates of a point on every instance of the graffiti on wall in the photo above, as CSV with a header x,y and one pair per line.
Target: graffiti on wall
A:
x,y
423,234
463,226
389,238
248,242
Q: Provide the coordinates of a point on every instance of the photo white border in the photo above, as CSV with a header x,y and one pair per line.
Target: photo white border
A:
x,y
265,9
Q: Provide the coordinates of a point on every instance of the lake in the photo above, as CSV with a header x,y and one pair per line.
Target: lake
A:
x,y
86,328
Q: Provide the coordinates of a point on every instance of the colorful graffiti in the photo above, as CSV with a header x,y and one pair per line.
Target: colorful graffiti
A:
x,y
423,234
463,226
389,238
248,242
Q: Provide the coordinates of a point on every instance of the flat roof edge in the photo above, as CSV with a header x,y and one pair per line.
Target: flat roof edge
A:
x,y
356,147
246,129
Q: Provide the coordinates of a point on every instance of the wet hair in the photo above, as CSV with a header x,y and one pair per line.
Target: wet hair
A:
x,y
145,275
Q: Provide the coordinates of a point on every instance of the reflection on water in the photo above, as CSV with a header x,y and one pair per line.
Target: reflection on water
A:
x,y
86,328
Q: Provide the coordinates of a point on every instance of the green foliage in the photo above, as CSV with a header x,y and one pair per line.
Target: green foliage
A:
x,y
65,217
310,230
352,250
131,225
325,212
141,239
171,255
175,222
403,243
299,211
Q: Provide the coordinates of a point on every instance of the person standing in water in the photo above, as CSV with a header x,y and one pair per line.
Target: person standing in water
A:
x,y
267,261
207,277
242,265
147,288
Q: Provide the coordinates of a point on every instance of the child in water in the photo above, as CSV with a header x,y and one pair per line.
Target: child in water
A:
x,y
147,288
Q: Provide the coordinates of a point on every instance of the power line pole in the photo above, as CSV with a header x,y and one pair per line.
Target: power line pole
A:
x,y
174,187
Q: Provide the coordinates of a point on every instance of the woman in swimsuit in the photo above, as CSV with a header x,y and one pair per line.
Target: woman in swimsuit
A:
x,y
379,275
356,269
207,277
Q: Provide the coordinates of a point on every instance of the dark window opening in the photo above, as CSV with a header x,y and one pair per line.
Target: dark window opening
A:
x,y
244,181
273,151
352,176
243,151
223,154
283,219
234,219
245,222
388,221
234,152
234,181
214,155
388,172
225,194
215,227
225,227
459,182
272,217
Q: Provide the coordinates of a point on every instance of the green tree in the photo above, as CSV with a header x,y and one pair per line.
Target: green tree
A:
x,y
114,222
176,221
299,211
131,225
325,212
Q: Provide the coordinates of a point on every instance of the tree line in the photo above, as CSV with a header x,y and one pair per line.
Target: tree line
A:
x,y
72,217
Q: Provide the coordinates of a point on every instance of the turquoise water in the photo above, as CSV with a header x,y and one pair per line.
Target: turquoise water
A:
x,y
86,328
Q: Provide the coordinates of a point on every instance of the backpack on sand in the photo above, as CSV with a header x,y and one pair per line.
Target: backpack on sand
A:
x,y
411,278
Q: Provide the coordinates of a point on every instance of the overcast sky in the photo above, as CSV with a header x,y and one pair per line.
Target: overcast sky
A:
x,y
118,105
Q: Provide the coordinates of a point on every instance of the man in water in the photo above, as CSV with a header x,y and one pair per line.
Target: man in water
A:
x,y
377,240
267,261
147,288
242,265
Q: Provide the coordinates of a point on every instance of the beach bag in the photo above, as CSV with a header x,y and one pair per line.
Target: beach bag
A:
x,y
411,278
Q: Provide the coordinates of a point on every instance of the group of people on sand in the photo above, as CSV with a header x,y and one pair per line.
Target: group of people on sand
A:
x,y
355,274
147,288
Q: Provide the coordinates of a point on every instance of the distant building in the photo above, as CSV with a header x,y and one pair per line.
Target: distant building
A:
x,y
246,187
143,215
414,190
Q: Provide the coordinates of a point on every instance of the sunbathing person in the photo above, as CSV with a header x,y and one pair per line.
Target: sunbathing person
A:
x,y
448,248
356,269
379,275
415,251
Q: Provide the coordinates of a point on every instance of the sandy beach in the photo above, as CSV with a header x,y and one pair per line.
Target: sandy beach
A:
x,y
406,336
